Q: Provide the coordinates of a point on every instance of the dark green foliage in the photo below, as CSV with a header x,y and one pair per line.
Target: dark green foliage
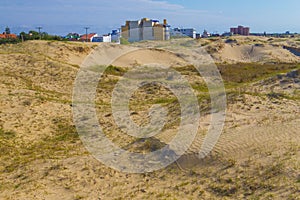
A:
x,y
33,35
9,41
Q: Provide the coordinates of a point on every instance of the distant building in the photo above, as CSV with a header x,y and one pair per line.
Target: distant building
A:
x,y
240,30
88,37
190,32
103,38
145,29
175,32
182,32
73,37
115,36
205,34
8,36
198,35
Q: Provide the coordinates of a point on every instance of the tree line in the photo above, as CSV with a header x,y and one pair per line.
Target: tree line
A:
x,y
31,35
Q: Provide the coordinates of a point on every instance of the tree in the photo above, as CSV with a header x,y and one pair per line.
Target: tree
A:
x,y
7,30
34,35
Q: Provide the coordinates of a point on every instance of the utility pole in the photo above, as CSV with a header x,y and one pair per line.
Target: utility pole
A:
x,y
22,37
39,28
86,33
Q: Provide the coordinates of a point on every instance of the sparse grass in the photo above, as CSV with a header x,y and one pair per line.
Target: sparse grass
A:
x,y
200,87
65,131
223,189
274,170
230,41
162,101
245,73
114,70
275,95
62,144
7,134
146,145
124,41
78,197
223,178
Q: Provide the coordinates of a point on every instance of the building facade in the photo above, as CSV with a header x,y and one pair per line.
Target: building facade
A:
x,y
190,32
145,29
183,32
115,36
175,32
88,37
103,38
240,30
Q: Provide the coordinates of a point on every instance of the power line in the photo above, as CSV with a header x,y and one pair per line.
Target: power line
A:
x,y
86,33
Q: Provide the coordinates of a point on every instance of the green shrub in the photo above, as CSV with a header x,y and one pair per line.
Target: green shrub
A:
x,y
124,41
9,41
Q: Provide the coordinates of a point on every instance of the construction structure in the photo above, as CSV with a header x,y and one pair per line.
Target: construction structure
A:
x,y
145,29
240,30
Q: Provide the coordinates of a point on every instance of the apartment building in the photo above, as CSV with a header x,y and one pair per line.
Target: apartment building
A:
x,y
240,30
145,29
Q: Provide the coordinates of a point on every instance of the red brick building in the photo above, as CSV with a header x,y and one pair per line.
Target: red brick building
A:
x,y
240,30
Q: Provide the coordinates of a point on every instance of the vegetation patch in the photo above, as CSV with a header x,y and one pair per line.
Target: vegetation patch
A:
x,y
114,70
61,145
250,72
7,134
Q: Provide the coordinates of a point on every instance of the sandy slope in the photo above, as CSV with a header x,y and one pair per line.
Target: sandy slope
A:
x,y
255,49
257,156
256,53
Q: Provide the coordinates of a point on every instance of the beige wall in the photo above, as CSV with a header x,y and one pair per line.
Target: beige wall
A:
x,y
159,33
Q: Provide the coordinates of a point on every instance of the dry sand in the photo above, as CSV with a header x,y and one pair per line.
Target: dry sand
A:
x,y
257,156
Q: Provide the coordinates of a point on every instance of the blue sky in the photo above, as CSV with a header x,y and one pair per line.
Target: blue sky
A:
x,y
63,16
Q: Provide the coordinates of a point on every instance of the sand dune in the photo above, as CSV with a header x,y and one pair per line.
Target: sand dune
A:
x,y
256,53
149,56
256,157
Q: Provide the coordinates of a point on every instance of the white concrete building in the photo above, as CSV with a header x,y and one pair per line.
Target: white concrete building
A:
x,y
184,32
145,29
134,31
103,38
